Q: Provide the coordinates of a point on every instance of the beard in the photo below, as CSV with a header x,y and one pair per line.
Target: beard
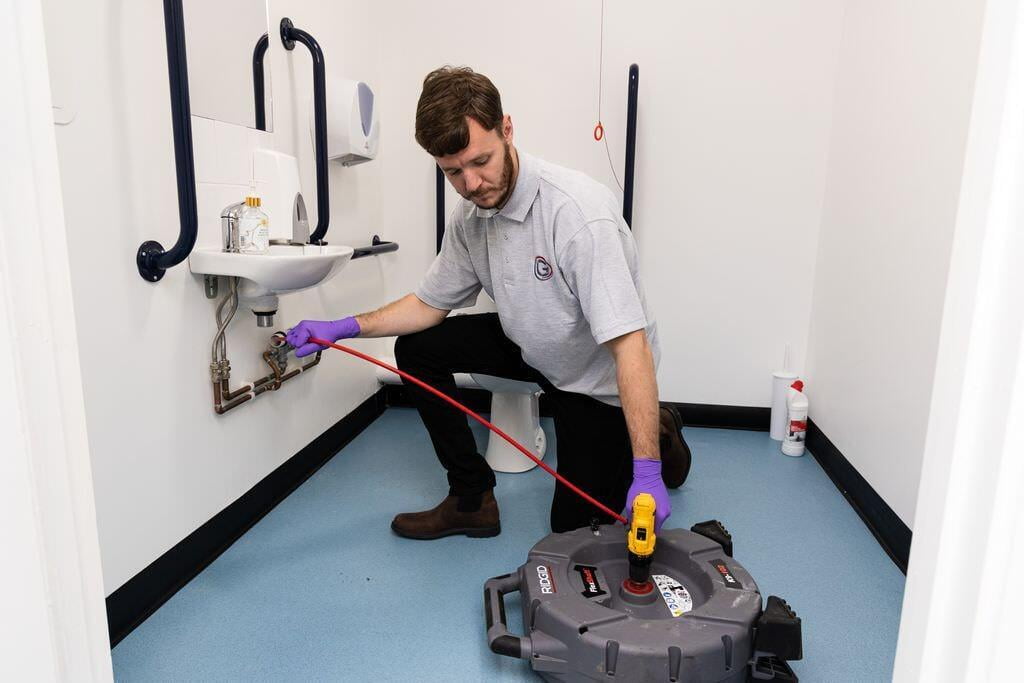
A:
x,y
504,187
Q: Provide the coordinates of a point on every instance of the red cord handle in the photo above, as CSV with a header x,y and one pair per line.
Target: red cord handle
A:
x,y
451,401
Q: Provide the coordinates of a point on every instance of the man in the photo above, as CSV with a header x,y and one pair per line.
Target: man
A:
x,y
549,246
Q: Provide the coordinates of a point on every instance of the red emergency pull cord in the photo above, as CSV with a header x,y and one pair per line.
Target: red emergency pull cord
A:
x,y
522,449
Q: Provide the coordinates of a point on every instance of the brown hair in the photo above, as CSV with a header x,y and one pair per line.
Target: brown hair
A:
x,y
450,94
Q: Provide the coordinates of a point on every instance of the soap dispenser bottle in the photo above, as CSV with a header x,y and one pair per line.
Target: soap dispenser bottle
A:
x,y
253,227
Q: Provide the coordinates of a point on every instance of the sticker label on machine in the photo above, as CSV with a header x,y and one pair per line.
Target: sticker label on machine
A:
x,y
723,570
675,595
545,581
591,584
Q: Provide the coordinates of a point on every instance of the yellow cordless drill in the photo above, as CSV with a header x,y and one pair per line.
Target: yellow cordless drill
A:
x,y
640,542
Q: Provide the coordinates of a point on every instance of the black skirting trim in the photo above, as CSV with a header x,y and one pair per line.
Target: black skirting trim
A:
x,y
888,529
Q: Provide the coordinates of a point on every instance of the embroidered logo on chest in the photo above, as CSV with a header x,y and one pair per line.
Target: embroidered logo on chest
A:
x,y
542,269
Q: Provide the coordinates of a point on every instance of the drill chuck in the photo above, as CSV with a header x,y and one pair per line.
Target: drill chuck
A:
x,y
639,568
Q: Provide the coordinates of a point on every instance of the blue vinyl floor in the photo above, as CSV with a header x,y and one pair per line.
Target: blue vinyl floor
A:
x,y
322,590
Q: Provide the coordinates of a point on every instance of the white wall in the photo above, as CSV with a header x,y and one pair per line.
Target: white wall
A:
x,y
904,88
163,462
734,114
53,626
970,513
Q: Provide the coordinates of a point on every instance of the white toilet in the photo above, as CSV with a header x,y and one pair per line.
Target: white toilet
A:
x,y
515,410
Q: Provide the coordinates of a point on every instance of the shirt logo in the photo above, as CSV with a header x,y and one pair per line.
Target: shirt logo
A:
x,y
542,269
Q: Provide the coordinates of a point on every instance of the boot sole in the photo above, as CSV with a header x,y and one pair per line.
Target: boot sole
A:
x,y
677,420
476,532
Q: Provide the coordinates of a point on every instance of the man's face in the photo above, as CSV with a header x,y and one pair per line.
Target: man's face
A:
x,y
483,171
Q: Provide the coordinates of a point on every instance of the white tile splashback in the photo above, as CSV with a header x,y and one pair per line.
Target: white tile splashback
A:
x,y
234,153
223,152
277,182
229,164
204,150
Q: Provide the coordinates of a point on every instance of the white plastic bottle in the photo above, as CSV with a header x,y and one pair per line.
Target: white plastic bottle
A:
x,y
796,428
253,227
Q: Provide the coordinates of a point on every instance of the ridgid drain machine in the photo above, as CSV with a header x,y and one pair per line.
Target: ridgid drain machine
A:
x,y
602,604
615,603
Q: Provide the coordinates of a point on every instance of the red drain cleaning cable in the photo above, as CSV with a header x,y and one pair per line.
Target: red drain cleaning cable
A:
x,y
451,401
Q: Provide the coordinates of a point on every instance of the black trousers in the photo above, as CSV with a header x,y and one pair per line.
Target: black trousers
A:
x,y
594,450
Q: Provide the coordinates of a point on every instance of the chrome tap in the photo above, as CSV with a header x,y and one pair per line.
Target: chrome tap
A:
x,y
229,226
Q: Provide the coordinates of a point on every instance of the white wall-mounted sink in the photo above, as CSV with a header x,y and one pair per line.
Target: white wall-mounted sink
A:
x,y
281,270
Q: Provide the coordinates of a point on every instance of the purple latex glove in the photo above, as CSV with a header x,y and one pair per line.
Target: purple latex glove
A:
x,y
331,330
647,479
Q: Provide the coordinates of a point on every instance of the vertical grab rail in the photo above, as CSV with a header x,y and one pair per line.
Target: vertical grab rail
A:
x,y
289,36
627,191
439,204
258,53
151,259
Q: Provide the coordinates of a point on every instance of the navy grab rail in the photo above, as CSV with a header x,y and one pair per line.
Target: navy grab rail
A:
x,y
377,246
631,98
258,53
439,204
289,36
151,259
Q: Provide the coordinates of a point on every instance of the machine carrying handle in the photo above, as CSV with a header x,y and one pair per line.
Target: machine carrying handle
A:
x,y
498,637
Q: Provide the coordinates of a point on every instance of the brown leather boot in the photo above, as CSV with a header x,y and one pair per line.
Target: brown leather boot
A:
x,y
675,454
447,520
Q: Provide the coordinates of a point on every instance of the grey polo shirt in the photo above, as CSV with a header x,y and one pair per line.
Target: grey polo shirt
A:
x,y
562,267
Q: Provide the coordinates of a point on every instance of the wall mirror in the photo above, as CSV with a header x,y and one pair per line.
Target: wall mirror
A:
x,y
228,75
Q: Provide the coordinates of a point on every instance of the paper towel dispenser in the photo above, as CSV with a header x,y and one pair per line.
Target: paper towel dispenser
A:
x,y
353,131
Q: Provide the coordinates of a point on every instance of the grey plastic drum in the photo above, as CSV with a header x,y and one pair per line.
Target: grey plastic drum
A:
x,y
582,625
